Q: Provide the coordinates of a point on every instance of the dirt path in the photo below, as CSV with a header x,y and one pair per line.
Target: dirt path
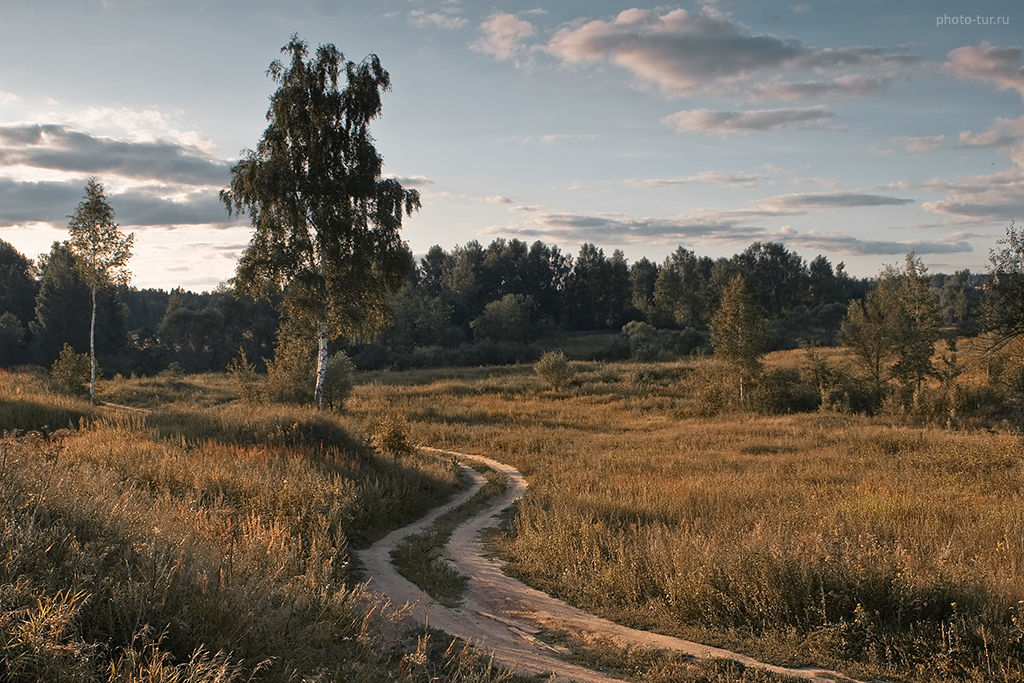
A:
x,y
503,615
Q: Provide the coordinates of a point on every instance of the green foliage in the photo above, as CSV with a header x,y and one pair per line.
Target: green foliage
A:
x,y
12,338
290,375
101,253
894,330
554,369
738,331
339,381
18,284
1004,309
645,342
681,289
245,378
72,371
326,223
101,250
389,434
510,319
780,391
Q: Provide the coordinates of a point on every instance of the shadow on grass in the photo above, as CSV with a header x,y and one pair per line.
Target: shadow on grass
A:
x,y
42,417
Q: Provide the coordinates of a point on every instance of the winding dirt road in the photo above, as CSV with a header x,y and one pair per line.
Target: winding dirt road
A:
x,y
503,615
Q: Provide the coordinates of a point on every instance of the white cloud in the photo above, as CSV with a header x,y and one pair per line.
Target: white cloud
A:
x,y
998,197
548,139
411,181
498,200
448,21
715,227
918,145
504,35
727,122
799,203
988,63
8,98
715,177
851,85
683,52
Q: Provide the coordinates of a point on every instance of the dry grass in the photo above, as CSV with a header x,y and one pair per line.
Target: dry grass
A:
x,y
870,544
201,542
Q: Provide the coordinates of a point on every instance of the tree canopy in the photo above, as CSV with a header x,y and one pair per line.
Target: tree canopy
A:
x,y
325,221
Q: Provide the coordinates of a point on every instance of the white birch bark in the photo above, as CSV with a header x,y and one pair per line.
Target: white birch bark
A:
x,y
92,349
321,364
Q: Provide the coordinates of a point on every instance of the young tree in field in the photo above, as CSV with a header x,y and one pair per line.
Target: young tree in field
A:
x,y
919,325
738,330
101,253
1004,307
326,223
894,330
870,330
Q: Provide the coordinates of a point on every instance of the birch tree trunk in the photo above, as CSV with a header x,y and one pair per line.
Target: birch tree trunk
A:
x,y
321,364
92,349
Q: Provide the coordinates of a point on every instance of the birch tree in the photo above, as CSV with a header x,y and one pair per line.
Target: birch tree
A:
x,y
738,331
325,222
101,254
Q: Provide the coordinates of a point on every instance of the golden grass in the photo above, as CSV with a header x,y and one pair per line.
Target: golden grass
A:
x,y
865,543
201,542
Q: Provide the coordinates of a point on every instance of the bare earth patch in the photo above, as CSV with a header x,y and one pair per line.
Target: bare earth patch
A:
x,y
504,615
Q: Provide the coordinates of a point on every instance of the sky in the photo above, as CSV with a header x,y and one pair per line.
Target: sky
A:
x,y
858,130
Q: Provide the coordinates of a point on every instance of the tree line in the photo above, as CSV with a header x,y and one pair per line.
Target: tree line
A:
x,y
507,294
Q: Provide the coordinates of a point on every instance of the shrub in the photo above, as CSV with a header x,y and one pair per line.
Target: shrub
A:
x,y
339,380
172,371
244,377
509,319
554,369
73,371
782,390
645,342
390,435
713,387
290,375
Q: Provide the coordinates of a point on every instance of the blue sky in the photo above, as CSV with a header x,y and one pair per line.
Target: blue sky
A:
x,y
859,130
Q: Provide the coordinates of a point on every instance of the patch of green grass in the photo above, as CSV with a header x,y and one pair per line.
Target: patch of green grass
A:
x,y
420,557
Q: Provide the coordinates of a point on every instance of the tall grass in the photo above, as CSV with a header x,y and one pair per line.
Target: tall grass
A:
x,y
199,542
865,543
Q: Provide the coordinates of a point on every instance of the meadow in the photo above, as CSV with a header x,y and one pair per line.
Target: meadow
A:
x,y
882,546
192,538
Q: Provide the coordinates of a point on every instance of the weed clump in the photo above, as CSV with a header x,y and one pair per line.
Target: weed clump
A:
x,y
554,369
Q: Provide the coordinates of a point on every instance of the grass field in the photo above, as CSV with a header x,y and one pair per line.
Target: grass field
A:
x,y
202,541
868,544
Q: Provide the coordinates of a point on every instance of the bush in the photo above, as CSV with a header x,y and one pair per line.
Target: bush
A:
x,y
645,341
783,390
509,319
390,435
714,388
554,369
244,377
172,371
290,375
73,371
338,380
